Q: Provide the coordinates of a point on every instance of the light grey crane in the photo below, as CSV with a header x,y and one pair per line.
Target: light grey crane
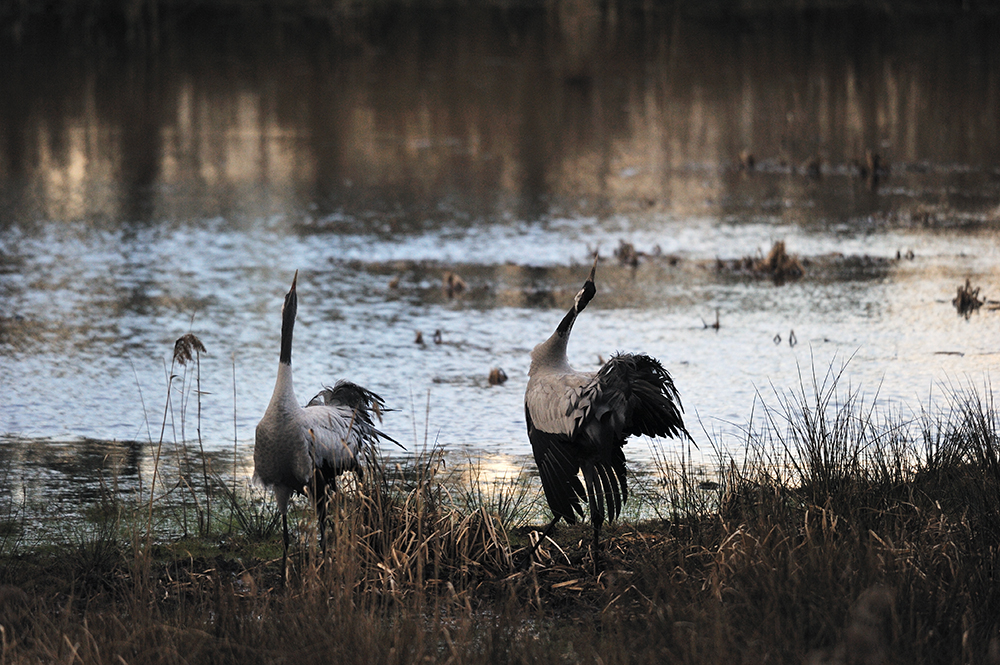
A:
x,y
579,421
303,449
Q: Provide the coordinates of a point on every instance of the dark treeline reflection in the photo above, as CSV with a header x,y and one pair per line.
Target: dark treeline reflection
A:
x,y
84,469
412,114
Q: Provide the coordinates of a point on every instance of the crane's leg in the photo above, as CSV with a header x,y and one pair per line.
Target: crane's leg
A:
x,y
321,518
545,534
321,506
597,519
284,548
322,490
595,493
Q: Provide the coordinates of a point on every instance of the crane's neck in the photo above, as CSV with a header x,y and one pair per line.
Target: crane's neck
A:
x,y
284,392
286,342
552,352
283,396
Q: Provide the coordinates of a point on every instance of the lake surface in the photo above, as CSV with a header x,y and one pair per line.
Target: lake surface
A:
x,y
144,195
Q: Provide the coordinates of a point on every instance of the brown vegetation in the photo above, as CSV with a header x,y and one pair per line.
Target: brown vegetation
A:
x,y
778,265
843,538
627,254
452,284
967,301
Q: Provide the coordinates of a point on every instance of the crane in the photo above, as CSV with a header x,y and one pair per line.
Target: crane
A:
x,y
579,421
302,450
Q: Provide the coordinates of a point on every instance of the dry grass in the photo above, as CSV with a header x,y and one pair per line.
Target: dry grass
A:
x,y
778,265
846,536
966,300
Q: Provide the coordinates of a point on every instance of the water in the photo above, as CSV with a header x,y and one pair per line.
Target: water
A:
x,y
145,197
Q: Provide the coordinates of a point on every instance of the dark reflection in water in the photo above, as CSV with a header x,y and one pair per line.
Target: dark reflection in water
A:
x,y
82,469
55,480
402,119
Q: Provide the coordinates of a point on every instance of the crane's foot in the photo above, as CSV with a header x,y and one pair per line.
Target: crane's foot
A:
x,y
527,558
525,563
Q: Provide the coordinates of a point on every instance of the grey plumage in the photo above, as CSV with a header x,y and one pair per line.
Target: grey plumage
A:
x,y
301,450
578,422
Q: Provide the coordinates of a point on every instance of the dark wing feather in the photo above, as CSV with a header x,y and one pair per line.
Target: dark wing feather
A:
x,y
595,492
558,465
614,470
634,395
362,401
605,474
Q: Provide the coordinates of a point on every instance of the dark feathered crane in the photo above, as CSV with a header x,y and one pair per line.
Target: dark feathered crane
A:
x,y
578,422
302,450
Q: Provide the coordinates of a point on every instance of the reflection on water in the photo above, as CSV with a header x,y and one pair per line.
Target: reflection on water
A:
x,y
52,486
437,118
145,196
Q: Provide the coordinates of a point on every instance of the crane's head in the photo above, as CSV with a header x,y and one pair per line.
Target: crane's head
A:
x,y
553,350
582,299
586,294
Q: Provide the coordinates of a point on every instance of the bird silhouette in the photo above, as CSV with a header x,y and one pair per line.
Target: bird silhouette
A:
x,y
578,422
302,450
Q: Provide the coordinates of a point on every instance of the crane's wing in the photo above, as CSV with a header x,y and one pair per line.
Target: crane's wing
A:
x,y
551,398
334,435
339,425
631,395
362,401
558,464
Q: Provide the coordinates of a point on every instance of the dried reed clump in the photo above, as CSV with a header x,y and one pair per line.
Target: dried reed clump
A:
x,y
403,534
452,284
186,348
627,254
835,501
779,265
966,300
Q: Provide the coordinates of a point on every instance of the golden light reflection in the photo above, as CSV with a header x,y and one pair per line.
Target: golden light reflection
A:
x,y
71,162
574,112
497,471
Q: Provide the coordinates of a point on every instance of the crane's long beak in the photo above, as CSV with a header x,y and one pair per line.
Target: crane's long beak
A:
x,y
582,299
288,309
